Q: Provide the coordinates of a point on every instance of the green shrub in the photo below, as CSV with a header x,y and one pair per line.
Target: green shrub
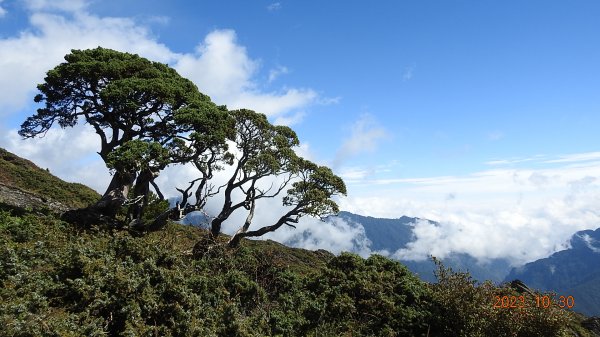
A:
x,y
56,280
376,296
461,307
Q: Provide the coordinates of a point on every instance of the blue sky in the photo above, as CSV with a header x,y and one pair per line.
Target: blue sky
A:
x,y
483,115
455,84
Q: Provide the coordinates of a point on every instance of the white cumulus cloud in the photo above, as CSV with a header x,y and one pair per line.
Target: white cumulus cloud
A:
x,y
222,69
219,65
518,214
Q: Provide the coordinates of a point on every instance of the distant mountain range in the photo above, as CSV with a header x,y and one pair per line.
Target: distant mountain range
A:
x,y
575,271
394,234
571,272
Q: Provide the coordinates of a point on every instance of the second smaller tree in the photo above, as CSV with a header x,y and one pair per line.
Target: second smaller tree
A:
x,y
264,165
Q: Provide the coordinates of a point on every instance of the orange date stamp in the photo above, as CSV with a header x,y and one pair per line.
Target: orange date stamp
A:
x,y
541,301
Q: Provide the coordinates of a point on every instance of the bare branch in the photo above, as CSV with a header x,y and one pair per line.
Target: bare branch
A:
x,y
186,193
157,190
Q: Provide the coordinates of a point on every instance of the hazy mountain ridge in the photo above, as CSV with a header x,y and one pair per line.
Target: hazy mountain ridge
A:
x,y
570,272
574,272
389,235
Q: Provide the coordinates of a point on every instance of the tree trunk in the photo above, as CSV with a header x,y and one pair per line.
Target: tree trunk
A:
x,y
235,239
215,226
141,191
116,194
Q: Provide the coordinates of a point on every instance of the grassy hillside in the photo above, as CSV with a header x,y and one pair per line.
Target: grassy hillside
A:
x,y
59,280
24,175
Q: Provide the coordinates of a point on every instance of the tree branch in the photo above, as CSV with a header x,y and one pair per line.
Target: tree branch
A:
x,y
157,190
284,220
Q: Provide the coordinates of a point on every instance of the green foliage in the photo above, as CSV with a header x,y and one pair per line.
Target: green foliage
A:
x,y
209,128
314,190
373,297
111,90
461,307
132,104
266,152
154,208
265,149
148,117
137,155
58,281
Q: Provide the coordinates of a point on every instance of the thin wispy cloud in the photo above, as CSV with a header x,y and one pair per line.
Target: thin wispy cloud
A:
x,y
577,157
574,158
513,161
365,136
357,175
276,72
158,19
289,120
60,5
350,174
592,244
408,73
495,135
329,100
274,7
2,10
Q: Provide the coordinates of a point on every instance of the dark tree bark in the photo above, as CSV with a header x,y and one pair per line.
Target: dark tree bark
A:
x,y
116,194
140,195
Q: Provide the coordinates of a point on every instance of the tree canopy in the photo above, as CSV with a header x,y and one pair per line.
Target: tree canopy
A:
x,y
132,104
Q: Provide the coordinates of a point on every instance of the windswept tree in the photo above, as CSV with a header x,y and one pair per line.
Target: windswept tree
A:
x,y
132,104
310,194
264,164
262,150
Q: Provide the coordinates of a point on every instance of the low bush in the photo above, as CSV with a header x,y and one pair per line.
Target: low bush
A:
x,y
56,280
